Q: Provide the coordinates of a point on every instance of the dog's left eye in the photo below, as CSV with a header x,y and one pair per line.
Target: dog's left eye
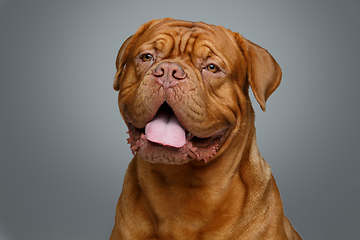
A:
x,y
212,68
147,57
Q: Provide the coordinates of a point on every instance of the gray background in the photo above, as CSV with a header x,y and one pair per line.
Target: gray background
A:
x,y
63,148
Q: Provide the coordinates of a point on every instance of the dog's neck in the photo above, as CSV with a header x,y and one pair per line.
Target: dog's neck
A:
x,y
168,192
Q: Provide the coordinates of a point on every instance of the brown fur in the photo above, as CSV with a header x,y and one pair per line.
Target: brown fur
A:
x,y
233,195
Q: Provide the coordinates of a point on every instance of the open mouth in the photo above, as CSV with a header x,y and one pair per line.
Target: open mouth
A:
x,y
164,139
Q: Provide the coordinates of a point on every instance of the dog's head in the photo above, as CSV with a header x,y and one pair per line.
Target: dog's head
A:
x,y
183,87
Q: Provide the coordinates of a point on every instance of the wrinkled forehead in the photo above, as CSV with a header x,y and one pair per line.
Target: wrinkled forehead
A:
x,y
184,37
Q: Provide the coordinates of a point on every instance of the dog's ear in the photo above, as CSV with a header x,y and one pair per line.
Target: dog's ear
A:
x,y
264,73
121,62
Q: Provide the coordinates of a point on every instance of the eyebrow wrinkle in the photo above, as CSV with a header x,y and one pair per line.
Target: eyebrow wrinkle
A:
x,y
166,37
184,41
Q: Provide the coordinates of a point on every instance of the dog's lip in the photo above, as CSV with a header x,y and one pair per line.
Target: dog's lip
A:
x,y
195,147
203,141
189,135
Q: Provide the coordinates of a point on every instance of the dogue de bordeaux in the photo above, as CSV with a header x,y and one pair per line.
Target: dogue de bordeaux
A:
x,y
197,172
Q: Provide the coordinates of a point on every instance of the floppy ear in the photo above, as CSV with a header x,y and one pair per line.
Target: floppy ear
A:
x,y
121,62
264,73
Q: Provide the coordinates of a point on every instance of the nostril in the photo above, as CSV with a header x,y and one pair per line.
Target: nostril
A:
x,y
178,73
158,72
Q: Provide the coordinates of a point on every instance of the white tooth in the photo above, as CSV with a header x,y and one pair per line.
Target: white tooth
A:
x,y
190,136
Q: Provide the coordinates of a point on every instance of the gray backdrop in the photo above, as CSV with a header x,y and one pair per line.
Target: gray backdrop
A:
x,y
63,148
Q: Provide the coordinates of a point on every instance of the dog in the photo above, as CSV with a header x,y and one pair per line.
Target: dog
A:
x,y
197,172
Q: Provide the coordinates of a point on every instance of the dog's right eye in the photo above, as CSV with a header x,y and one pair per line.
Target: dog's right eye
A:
x,y
147,57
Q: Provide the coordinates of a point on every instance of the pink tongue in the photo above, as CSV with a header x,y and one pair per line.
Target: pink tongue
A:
x,y
165,129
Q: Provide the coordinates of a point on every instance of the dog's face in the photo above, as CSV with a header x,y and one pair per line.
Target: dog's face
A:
x,y
182,86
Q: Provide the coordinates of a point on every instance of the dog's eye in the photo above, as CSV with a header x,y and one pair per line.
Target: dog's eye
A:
x,y
147,57
212,68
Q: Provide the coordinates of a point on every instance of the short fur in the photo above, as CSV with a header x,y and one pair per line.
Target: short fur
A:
x,y
230,195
